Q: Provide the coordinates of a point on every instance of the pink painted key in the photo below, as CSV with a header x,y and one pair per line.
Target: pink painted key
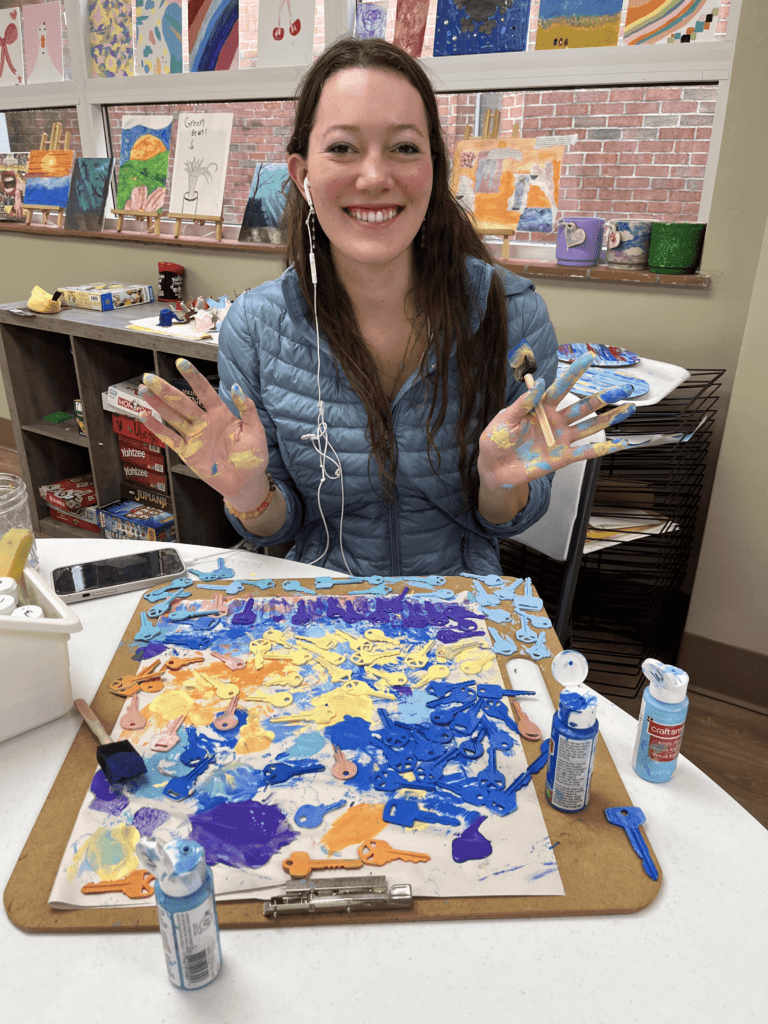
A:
x,y
168,738
228,720
343,768
132,718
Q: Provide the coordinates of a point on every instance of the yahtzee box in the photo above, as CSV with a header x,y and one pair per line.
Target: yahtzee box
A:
x,y
105,295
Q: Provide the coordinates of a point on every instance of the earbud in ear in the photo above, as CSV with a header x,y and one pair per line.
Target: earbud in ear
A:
x,y
308,190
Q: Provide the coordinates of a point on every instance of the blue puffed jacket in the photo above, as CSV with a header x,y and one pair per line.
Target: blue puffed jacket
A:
x,y
268,345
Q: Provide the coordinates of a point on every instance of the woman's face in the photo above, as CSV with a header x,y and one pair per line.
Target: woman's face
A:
x,y
369,167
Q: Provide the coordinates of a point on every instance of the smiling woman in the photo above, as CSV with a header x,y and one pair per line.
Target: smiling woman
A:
x,y
377,383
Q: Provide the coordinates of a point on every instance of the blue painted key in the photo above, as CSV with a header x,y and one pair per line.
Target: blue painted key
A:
x,y
407,812
311,815
630,819
282,772
181,787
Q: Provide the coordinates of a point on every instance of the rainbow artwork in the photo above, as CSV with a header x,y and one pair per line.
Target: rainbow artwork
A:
x,y
213,35
669,21
566,24
285,723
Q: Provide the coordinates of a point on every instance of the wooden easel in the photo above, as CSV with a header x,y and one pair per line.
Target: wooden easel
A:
x,y
152,218
491,131
49,144
197,219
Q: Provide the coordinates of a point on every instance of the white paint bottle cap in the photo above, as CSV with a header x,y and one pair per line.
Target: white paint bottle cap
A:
x,y
28,611
8,586
7,604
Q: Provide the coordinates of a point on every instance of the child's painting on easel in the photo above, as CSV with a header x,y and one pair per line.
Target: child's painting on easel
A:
x,y
143,172
200,166
266,204
286,33
13,182
508,184
49,177
43,58
88,193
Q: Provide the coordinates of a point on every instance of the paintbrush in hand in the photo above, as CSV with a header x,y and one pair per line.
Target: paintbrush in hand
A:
x,y
524,366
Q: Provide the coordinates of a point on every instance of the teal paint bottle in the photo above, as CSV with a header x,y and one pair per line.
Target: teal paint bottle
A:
x,y
186,910
662,719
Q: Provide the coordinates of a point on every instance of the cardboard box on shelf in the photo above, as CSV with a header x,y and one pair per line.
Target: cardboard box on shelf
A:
x,y
70,493
138,453
106,295
142,475
135,521
81,522
126,425
124,397
132,491
79,417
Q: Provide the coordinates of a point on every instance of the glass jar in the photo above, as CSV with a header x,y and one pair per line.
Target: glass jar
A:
x,y
15,512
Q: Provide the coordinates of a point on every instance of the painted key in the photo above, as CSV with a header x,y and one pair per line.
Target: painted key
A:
x,y
283,771
630,819
300,865
168,738
311,815
137,885
407,812
377,852
343,768
179,788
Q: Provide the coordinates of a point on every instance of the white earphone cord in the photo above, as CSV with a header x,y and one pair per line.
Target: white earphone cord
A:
x,y
319,439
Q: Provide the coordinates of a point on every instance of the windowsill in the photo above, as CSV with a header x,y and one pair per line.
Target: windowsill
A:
x,y
603,272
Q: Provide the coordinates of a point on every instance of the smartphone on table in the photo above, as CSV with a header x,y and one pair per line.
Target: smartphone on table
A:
x,y
144,570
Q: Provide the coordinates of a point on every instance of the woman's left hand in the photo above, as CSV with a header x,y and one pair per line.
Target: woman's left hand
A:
x,y
513,450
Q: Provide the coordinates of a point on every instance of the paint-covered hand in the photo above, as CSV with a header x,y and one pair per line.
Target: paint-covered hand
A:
x,y
228,453
513,449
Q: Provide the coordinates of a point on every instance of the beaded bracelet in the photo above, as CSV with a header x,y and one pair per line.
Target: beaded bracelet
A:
x,y
255,512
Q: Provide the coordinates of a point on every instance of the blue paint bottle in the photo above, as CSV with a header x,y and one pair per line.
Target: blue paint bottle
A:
x,y
662,719
186,910
572,746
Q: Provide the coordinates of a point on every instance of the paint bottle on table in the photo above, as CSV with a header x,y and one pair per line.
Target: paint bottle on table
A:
x,y
662,719
186,910
573,739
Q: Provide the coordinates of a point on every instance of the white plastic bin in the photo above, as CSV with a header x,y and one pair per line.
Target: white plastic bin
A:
x,y
35,686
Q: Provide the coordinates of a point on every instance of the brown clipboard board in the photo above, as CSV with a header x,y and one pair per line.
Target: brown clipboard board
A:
x,y
600,872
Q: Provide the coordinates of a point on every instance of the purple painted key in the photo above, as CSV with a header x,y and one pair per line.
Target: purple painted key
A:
x,y
630,819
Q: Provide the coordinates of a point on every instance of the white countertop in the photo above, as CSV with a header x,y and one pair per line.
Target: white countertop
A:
x,y
697,954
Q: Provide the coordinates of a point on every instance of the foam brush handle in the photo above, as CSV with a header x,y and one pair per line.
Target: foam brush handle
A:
x,y
541,416
92,721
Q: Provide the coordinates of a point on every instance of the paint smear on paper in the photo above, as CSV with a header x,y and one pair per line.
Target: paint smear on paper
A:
x,y
110,852
242,835
361,822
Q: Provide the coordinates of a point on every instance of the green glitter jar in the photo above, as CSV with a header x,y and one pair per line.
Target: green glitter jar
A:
x,y
675,248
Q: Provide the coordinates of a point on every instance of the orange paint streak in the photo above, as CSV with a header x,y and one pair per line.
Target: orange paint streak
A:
x,y
355,826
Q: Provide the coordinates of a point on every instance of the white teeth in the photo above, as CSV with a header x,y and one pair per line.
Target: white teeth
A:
x,y
374,216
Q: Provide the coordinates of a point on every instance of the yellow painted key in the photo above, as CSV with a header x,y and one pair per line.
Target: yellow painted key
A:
x,y
434,673
278,700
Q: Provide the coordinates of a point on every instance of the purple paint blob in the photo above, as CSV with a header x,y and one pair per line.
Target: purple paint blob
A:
x,y
147,819
470,845
148,651
243,835
107,800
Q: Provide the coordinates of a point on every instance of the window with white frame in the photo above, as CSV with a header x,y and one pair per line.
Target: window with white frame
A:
x,y
643,123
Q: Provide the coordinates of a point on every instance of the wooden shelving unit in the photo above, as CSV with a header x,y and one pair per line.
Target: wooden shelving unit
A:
x,y
49,361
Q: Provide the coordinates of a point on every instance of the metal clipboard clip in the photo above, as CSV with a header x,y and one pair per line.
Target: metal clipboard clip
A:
x,y
311,896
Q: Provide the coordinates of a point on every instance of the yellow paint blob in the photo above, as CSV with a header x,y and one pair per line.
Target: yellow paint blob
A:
x,y
110,852
245,460
500,437
360,823
253,737
167,707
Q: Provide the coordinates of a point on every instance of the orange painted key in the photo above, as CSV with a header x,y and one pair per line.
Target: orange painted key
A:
x,y
378,852
300,865
136,885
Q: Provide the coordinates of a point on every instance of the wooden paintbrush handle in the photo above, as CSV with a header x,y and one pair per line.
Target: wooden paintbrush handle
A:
x,y
541,416
92,721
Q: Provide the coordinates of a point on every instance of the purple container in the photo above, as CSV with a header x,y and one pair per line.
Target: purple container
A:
x,y
579,241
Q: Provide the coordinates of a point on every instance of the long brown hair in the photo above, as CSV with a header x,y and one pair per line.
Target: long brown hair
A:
x,y
441,287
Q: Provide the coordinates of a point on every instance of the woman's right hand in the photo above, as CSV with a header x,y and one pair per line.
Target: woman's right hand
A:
x,y
228,453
